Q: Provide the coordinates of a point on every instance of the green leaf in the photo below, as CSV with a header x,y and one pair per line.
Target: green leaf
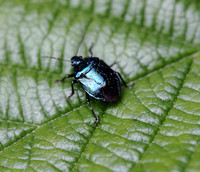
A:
x,y
155,126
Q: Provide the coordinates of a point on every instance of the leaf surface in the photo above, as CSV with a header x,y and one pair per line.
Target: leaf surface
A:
x,y
153,127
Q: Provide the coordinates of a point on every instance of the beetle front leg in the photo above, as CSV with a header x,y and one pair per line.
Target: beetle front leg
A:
x,y
124,81
90,50
88,102
63,79
72,86
112,64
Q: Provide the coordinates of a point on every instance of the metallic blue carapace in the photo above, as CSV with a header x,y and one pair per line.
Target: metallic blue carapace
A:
x,y
92,83
98,79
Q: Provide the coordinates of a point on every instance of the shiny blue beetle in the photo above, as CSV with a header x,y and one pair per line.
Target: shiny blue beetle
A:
x,y
96,77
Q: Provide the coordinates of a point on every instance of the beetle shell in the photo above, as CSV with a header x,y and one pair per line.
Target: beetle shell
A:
x,y
98,79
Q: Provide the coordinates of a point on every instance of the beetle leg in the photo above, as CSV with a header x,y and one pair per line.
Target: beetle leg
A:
x,y
63,79
72,86
124,81
88,102
112,64
90,50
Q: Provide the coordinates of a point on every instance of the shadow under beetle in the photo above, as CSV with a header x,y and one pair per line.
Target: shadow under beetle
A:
x,y
96,77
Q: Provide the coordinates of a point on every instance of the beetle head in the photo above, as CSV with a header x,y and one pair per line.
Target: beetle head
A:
x,y
76,60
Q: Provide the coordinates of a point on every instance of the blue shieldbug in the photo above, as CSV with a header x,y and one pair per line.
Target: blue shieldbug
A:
x,y
96,77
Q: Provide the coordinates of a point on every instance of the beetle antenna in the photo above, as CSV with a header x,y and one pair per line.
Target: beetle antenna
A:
x,y
55,58
83,36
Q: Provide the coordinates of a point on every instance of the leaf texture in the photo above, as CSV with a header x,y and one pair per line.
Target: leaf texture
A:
x,y
153,127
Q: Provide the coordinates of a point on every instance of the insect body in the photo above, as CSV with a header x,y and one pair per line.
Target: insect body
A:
x,y
96,77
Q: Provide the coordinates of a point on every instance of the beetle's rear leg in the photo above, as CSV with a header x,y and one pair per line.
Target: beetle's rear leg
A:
x,y
124,81
88,102
90,50
72,86
63,79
